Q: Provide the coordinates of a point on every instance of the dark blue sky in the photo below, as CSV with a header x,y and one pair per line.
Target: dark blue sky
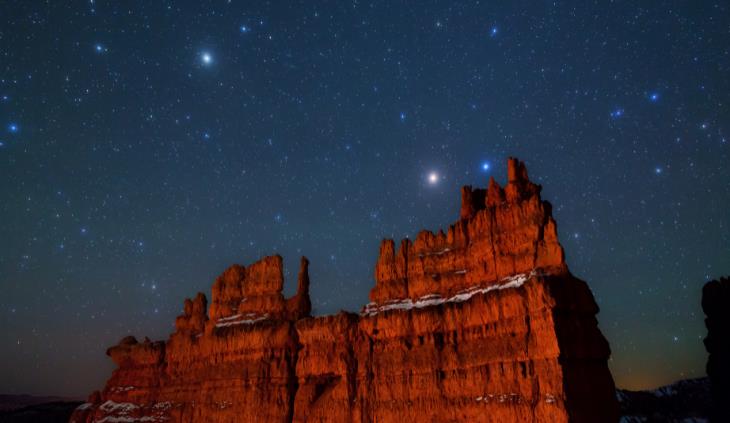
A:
x,y
145,146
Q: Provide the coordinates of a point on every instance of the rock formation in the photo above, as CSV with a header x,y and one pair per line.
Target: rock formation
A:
x,y
715,301
481,323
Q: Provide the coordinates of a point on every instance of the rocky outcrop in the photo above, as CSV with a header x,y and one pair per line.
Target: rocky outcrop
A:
x,y
715,301
501,233
213,370
481,323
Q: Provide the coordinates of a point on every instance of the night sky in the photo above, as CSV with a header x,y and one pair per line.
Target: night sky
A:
x,y
145,146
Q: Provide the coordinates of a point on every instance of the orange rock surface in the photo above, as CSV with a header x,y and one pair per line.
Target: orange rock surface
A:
x,y
482,323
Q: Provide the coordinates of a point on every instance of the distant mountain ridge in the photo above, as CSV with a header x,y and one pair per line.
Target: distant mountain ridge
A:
x,y
685,401
14,402
36,409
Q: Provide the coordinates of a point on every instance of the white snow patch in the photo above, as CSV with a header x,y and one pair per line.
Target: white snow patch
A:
x,y
665,391
515,281
435,253
512,397
240,319
118,407
237,317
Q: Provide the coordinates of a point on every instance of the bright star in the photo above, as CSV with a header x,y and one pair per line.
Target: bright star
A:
x,y
658,170
206,58
654,97
433,178
13,128
244,29
493,32
402,116
485,166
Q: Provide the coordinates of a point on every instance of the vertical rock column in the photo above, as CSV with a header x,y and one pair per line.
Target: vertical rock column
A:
x,y
715,302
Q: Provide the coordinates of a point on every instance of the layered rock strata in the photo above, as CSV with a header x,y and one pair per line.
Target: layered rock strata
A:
x,y
481,323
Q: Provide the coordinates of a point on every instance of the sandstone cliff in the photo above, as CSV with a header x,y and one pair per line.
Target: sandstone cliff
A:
x,y
481,323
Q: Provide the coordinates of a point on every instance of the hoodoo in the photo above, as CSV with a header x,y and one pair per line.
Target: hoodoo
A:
x,y
715,297
481,323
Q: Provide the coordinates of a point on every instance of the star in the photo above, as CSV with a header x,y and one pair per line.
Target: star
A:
x,y
493,32
13,128
402,116
654,97
244,29
99,48
433,178
658,170
617,113
485,166
206,58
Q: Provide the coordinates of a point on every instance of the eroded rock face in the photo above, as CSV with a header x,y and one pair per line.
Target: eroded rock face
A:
x,y
502,232
483,323
715,301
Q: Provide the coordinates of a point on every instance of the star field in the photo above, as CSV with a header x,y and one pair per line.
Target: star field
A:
x,y
145,146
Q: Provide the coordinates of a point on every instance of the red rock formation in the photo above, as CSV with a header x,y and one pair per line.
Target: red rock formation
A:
x,y
483,323
501,233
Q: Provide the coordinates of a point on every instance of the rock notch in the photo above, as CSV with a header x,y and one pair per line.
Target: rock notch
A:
x,y
481,323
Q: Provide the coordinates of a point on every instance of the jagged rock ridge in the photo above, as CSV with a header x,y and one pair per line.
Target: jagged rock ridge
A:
x,y
482,323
